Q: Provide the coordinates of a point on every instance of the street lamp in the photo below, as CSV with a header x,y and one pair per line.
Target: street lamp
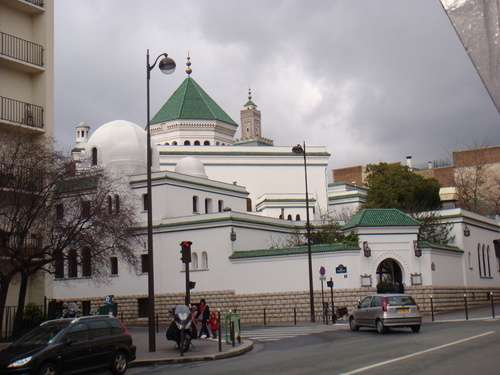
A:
x,y
301,150
167,66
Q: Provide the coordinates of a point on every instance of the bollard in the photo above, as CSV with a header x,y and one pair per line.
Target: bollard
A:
x,y
157,321
219,333
492,299
231,325
265,322
466,307
294,316
334,317
326,313
432,308
239,331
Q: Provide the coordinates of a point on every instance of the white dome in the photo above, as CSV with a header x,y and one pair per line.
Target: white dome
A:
x,y
121,145
191,166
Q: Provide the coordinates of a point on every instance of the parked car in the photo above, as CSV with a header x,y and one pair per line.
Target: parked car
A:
x,y
66,346
386,310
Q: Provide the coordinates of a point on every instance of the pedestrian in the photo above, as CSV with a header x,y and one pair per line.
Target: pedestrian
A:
x,y
203,317
213,324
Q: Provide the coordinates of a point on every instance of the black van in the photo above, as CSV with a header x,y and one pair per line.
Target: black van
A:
x,y
66,346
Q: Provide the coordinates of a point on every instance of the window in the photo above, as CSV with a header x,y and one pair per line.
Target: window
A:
x,y
249,205
85,209
195,203
60,212
289,217
488,260
174,143
78,333
484,261
94,156
204,260
110,205
376,302
117,203
144,263
142,307
365,303
469,260
86,263
166,144
220,205
206,143
217,143
208,205
194,261
72,263
114,265
297,217
86,308
196,143
145,202
116,327
59,266
98,329
479,259
187,143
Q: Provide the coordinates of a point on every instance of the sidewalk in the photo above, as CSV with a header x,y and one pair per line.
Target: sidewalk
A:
x,y
167,352
475,313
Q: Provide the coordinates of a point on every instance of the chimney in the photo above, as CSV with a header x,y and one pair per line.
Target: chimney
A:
x,y
429,165
408,162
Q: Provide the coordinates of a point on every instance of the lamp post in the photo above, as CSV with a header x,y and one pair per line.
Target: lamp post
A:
x,y
167,66
301,150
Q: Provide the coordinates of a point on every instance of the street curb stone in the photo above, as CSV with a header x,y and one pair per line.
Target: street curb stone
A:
x,y
244,347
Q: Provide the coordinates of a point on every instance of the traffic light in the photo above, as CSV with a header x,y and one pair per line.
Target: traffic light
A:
x,y
186,251
192,284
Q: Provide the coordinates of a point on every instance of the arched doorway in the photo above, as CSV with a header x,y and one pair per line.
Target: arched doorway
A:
x,y
389,277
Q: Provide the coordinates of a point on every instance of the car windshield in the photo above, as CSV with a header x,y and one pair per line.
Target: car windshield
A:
x,y
401,301
42,335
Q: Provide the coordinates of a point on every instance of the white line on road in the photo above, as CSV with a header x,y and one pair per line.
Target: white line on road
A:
x,y
362,369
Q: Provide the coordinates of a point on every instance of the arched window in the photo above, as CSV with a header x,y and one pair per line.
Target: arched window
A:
x,y
110,205
249,205
469,260
484,260
86,263
479,259
217,143
94,156
488,260
297,217
204,260
289,217
117,203
206,143
187,143
195,203
167,144
220,205
174,143
72,263
194,261
223,144
196,143
59,266
208,205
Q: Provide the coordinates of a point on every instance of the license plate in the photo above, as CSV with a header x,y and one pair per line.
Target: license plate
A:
x,y
404,311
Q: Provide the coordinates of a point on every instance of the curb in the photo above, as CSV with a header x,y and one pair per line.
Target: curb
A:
x,y
245,347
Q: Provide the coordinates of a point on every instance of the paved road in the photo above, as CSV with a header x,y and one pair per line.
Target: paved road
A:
x,y
458,348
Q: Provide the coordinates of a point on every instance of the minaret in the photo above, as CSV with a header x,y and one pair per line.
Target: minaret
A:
x,y
250,120
81,138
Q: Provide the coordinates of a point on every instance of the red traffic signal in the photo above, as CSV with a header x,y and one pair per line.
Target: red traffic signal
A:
x,y
186,251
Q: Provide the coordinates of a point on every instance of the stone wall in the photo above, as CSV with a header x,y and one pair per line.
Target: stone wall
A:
x,y
279,307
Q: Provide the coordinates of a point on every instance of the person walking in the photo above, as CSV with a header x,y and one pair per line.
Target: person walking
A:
x,y
203,317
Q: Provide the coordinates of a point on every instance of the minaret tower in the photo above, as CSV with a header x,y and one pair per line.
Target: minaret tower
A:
x,y
250,120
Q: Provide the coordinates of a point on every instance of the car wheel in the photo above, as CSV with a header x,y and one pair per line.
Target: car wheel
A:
x,y
120,363
352,325
48,369
380,327
415,329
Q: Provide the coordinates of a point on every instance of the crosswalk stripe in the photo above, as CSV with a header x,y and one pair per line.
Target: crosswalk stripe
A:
x,y
280,333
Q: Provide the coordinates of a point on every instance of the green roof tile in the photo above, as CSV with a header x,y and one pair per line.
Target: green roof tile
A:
x,y
191,102
381,217
298,250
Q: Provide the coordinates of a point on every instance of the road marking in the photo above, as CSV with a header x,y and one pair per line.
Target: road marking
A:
x,y
362,369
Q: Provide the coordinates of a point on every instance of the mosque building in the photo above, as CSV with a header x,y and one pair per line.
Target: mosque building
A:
x,y
242,202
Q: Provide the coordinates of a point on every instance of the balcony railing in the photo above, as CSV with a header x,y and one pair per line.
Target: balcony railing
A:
x,y
21,49
21,113
36,2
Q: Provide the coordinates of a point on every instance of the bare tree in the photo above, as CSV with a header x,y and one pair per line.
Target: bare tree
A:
x,y
49,215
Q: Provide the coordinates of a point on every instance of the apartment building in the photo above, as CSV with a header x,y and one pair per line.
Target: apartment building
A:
x,y
26,69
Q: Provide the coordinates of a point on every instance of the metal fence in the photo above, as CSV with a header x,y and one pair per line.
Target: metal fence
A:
x,y
472,305
36,2
21,49
13,110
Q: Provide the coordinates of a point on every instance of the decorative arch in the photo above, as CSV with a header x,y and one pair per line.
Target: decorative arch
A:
x,y
94,155
196,143
289,217
206,143
187,143
194,261
297,217
390,274
204,260
174,143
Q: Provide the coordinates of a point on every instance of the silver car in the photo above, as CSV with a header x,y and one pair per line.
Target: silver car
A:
x,y
386,310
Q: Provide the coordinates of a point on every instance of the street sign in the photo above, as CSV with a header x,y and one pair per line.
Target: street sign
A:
x,y
341,269
329,283
322,271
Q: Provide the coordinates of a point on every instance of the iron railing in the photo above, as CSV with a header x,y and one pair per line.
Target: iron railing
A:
x,y
21,113
21,49
36,2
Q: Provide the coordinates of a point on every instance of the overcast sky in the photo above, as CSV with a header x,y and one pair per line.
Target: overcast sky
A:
x,y
371,80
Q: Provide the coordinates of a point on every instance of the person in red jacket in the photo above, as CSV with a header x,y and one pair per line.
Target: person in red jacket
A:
x,y
213,324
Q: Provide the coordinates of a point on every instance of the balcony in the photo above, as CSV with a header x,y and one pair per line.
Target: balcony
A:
x,y
17,113
26,55
26,6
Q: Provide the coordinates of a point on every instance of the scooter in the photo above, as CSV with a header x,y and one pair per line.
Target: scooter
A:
x,y
180,329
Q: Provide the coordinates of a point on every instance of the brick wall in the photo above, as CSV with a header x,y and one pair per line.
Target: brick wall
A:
x,y
468,158
349,175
